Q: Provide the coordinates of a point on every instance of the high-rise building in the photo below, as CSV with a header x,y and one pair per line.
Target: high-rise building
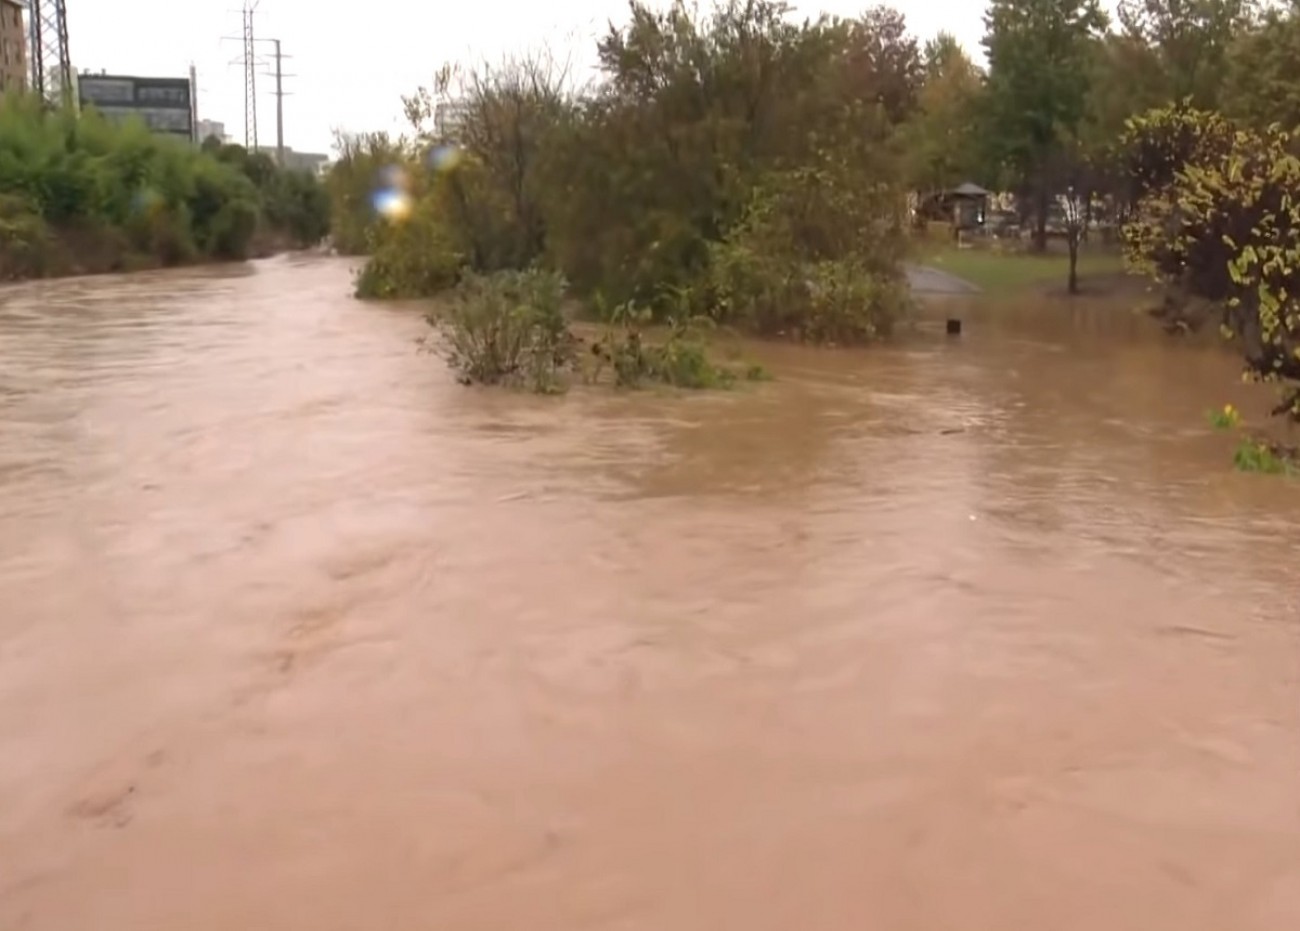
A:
x,y
13,46
164,104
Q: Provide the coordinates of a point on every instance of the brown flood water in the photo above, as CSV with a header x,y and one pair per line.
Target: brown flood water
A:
x,y
298,635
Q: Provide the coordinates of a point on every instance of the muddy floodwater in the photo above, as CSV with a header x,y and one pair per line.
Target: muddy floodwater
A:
x,y
297,634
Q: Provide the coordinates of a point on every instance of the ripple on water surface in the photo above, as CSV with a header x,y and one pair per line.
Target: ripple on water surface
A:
x,y
298,633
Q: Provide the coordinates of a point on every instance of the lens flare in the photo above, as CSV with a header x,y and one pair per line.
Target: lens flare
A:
x,y
444,157
392,205
391,199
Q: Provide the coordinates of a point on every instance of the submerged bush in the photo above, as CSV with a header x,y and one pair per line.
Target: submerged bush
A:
x,y
830,302
815,256
680,359
1255,453
508,329
418,251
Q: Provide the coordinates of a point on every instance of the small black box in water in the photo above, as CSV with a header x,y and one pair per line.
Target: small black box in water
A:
x,y
954,326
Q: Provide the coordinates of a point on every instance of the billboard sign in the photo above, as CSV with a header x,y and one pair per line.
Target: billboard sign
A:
x,y
164,104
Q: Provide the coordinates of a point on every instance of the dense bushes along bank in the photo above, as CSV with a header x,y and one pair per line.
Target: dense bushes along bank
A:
x,y
79,194
730,165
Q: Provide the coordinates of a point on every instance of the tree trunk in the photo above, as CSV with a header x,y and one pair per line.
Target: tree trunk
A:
x,y
1073,234
1040,229
1072,238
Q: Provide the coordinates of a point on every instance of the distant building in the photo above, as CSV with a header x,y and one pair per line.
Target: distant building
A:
x,y
165,105
13,46
206,129
313,162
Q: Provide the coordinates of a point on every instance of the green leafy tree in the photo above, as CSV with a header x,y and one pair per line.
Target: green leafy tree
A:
x,y
79,193
1217,222
1191,40
706,135
942,143
363,167
511,115
1039,53
1263,71
295,204
886,58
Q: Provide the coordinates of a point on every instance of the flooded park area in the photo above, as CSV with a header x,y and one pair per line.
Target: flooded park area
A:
x,y
298,634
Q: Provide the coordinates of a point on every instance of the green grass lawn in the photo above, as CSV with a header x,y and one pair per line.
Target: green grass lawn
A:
x,y
1002,273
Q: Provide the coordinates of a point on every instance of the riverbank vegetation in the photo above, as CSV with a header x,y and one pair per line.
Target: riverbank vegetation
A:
x,y
738,166
732,167
82,195
509,328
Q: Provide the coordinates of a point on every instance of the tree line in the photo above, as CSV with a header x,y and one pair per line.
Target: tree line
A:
x,y
742,166
81,194
726,164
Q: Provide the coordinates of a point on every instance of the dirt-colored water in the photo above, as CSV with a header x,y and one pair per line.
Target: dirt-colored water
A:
x,y
296,634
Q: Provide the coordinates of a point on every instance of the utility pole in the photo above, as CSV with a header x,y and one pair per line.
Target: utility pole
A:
x,y
280,93
250,63
194,105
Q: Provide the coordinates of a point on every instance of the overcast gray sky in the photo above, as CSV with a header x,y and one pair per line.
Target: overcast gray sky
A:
x,y
353,60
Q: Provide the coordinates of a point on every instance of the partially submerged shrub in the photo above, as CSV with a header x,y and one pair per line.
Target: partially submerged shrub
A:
x,y
1255,453
815,257
830,302
508,329
680,359
24,239
415,258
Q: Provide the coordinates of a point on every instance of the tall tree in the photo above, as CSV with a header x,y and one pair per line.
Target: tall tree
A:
x,y
941,137
1038,55
1191,39
885,58
1263,73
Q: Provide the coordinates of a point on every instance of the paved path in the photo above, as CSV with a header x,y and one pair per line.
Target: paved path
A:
x,y
927,280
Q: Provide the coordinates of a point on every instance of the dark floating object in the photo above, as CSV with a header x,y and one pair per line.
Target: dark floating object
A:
x,y
954,326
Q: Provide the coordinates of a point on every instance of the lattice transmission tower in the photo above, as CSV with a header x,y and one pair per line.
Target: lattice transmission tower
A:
x,y
249,61
47,23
